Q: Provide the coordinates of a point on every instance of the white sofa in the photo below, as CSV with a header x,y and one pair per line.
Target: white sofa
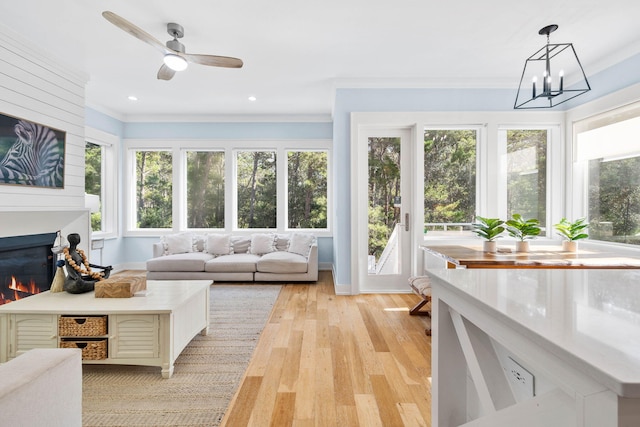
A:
x,y
42,388
262,257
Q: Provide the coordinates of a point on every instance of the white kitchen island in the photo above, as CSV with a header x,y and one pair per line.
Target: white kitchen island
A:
x,y
522,347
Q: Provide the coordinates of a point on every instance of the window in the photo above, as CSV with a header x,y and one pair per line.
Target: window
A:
x,y
101,181
229,186
256,189
527,173
153,189
93,183
449,178
608,150
307,189
205,189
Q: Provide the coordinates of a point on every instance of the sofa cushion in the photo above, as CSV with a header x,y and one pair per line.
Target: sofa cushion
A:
x,y
282,262
300,243
177,243
193,261
218,244
236,263
262,243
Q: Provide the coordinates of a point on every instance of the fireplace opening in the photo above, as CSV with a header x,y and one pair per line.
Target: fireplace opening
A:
x,y
27,266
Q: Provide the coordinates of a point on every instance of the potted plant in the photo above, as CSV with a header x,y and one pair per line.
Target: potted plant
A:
x,y
572,231
489,229
523,230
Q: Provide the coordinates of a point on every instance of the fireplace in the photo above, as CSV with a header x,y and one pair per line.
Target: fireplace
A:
x,y
27,266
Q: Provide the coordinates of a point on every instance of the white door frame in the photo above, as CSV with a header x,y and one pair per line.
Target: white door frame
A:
x,y
361,281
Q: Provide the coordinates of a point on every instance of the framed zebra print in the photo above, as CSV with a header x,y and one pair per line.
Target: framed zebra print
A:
x,y
30,153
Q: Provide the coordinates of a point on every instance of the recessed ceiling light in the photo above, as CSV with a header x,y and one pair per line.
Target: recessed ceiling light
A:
x,y
252,98
132,98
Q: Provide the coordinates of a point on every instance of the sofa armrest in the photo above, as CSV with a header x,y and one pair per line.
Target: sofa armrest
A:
x,y
50,378
312,266
158,249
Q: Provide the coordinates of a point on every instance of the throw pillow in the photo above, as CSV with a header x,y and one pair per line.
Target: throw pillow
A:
x,y
240,244
262,243
300,243
282,242
177,243
218,244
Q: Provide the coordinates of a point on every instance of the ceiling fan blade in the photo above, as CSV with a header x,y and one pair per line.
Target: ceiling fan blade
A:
x,y
165,73
135,31
214,60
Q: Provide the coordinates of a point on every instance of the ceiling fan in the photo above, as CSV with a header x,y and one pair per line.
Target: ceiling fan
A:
x,y
175,57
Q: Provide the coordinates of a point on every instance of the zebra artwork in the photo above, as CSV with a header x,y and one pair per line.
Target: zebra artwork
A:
x,y
35,156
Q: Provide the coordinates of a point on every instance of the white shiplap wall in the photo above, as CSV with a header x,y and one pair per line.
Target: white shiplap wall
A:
x,y
36,88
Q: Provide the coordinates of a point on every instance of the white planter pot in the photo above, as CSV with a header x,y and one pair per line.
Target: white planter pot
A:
x,y
490,246
522,246
569,246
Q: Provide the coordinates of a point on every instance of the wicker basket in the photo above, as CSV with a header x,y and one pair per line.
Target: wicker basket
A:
x,y
82,326
91,349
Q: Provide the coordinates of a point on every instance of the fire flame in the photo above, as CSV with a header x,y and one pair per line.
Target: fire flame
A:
x,y
29,288
19,289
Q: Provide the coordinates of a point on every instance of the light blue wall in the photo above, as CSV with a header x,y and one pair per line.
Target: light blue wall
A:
x,y
138,249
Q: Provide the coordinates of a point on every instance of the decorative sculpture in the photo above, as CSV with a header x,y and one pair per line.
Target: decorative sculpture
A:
x,y
80,278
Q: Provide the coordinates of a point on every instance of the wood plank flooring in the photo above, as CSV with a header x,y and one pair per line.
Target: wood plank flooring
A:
x,y
346,361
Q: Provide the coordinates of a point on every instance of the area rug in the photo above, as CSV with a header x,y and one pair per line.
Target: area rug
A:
x,y
206,375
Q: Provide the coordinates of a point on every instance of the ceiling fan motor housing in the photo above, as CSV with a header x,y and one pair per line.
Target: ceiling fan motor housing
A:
x,y
175,45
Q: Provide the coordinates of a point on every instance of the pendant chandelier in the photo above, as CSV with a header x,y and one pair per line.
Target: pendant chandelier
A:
x,y
551,76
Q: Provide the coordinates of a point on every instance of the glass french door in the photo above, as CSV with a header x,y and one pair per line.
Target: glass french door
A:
x,y
384,218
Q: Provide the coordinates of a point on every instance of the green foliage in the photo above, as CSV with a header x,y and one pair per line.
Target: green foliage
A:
x,y
205,189
527,173
614,196
488,228
154,189
523,229
307,185
449,175
256,189
384,186
572,230
93,179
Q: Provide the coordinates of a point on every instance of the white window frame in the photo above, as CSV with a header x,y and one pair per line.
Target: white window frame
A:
x,y
580,169
285,218
108,180
179,149
553,198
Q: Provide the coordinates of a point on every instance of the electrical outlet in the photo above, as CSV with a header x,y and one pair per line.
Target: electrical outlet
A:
x,y
521,380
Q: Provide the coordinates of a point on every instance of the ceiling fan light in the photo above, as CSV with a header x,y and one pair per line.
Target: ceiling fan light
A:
x,y
175,62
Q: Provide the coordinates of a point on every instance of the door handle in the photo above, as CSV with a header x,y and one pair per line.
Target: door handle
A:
x,y
406,222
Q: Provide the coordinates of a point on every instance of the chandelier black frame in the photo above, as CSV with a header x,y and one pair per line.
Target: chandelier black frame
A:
x,y
548,96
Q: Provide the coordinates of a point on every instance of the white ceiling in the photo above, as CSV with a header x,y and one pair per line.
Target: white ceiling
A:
x,y
297,52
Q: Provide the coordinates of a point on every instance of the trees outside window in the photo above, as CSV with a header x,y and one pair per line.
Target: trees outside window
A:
x,y
449,177
200,185
93,155
307,189
614,200
256,189
527,173
153,189
205,189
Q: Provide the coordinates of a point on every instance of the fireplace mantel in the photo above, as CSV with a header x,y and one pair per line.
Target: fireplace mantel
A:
x,y
17,223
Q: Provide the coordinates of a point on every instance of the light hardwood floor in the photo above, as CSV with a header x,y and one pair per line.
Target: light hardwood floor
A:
x,y
325,360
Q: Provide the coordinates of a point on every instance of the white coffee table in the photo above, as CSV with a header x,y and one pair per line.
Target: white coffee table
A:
x,y
149,330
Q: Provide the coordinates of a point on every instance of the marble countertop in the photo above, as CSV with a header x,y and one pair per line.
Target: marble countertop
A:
x,y
589,318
